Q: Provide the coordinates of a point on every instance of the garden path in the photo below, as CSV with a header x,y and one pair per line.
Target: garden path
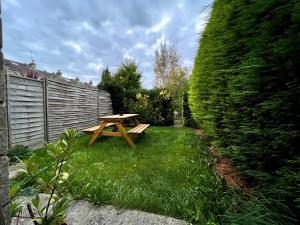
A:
x,y
85,213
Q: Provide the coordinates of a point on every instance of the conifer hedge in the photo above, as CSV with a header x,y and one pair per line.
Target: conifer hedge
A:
x,y
245,88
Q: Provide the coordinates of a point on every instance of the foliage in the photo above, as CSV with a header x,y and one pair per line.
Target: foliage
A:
x,y
153,106
128,76
245,89
270,205
170,174
51,179
126,80
169,74
188,120
19,152
106,78
165,63
128,96
111,85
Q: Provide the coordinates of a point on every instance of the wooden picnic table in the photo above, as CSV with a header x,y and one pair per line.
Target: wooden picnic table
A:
x,y
118,122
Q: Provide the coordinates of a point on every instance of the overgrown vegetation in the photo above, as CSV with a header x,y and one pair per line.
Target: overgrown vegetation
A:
x,y
245,94
170,74
19,152
188,119
169,173
51,179
154,106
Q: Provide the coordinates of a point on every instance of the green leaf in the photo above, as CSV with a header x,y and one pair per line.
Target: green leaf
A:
x,y
36,201
13,191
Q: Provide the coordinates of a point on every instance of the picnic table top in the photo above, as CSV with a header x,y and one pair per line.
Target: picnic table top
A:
x,y
124,116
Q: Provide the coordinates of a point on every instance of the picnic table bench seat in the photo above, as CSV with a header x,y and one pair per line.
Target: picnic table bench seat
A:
x,y
138,129
92,129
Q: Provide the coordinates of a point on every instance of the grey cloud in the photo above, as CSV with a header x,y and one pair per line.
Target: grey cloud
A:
x,y
81,37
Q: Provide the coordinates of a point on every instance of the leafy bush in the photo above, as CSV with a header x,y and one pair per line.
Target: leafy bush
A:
x,y
153,106
245,87
114,88
272,204
51,180
188,120
19,151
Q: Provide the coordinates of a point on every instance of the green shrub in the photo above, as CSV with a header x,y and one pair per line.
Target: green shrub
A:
x,y
19,151
51,180
188,120
277,200
153,106
245,88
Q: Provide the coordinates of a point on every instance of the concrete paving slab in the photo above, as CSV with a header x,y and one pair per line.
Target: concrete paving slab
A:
x,y
85,213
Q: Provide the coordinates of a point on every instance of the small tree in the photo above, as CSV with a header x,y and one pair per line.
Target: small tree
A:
x,y
123,86
110,84
129,76
52,181
106,80
166,62
169,74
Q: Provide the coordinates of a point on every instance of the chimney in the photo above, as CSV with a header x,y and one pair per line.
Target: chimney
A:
x,y
32,65
91,83
77,81
59,74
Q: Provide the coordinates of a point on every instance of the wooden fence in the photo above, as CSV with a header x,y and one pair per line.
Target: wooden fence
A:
x,y
40,110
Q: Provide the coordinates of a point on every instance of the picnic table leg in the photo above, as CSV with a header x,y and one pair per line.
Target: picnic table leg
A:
x,y
125,135
136,121
96,133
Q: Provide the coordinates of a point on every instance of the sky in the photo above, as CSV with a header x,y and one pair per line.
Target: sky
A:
x,y
81,37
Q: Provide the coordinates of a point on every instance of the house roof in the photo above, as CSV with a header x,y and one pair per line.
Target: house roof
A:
x,y
25,69
30,71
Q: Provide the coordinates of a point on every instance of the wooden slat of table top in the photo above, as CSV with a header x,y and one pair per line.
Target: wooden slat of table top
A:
x,y
124,116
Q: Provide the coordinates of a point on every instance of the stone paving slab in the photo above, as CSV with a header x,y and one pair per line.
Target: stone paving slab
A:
x,y
86,213
14,169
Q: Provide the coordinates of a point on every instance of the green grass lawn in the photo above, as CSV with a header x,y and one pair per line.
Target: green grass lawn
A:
x,y
169,173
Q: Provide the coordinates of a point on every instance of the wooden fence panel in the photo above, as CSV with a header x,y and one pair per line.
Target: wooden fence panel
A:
x,y
39,111
26,111
72,106
104,104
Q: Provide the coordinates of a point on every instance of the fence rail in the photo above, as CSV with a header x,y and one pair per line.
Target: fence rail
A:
x,y
40,110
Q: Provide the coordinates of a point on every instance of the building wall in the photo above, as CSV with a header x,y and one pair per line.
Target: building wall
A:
x,y
4,180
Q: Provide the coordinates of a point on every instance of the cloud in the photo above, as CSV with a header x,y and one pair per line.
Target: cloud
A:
x,y
75,46
140,45
83,37
159,26
156,44
95,66
88,26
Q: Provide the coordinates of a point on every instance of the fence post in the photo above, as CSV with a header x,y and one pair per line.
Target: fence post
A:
x,y
98,105
46,121
4,178
7,76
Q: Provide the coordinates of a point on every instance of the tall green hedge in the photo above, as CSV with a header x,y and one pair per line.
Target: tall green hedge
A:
x,y
245,88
